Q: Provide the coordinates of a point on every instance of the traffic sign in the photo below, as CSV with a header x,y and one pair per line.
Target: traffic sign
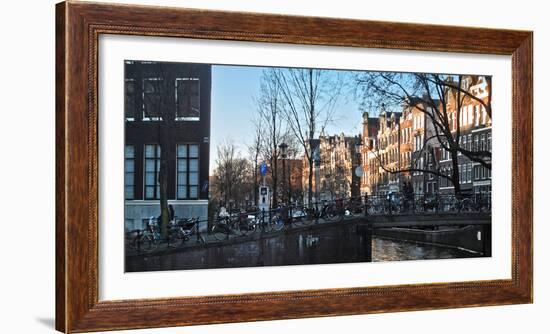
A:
x,y
263,169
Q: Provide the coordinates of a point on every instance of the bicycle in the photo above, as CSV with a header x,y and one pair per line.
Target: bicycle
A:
x,y
276,223
231,225
329,212
353,207
148,239
303,215
183,230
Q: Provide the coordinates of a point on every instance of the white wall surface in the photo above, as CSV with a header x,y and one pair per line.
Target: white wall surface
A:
x,y
27,72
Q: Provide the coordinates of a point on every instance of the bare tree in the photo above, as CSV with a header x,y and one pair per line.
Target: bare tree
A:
x,y
255,150
269,103
440,98
309,97
156,100
231,179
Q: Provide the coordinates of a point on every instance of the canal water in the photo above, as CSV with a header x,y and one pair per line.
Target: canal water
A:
x,y
330,245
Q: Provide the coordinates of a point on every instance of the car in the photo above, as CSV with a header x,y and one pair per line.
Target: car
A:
x,y
298,214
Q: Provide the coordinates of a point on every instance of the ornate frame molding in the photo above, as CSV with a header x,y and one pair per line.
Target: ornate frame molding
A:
x,y
78,27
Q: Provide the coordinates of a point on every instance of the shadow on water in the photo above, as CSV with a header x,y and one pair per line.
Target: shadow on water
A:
x,y
339,244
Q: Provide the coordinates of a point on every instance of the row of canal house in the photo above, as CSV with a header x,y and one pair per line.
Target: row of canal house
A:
x,y
405,141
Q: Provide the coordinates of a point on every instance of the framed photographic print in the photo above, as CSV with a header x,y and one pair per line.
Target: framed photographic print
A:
x,y
221,166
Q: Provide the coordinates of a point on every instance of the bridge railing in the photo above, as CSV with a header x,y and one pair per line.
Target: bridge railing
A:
x,y
245,222
330,209
399,203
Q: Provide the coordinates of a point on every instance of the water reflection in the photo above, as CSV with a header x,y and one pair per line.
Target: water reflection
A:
x,y
339,244
393,250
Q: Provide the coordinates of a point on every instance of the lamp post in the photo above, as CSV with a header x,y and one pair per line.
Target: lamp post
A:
x,y
358,170
316,157
283,148
289,175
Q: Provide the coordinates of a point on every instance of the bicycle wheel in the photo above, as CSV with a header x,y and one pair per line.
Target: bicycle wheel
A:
x,y
276,224
220,231
331,214
485,208
132,241
304,218
307,220
174,237
147,243
246,228
467,205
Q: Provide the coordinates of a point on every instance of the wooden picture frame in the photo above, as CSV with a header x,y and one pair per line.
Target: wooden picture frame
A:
x,y
78,26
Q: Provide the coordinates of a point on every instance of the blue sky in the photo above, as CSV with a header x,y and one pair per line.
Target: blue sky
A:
x,y
233,92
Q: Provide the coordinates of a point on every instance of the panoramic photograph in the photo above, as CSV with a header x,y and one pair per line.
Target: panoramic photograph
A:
x,y
231,166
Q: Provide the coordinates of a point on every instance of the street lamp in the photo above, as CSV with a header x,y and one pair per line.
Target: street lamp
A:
x,y
358,144
358,170
315,155
283,148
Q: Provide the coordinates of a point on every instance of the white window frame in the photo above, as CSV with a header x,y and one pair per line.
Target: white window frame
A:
x,y
157,173
145,118
133,172
187,172
129,119
181,118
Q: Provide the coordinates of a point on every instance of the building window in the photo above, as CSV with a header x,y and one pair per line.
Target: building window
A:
x,y
188,171
469,145
129,171
129,99
469,173
187,99
482,140
152,99
152,170
489,144
462,172
445,154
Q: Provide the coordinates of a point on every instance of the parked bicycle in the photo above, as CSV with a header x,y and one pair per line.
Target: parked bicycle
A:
x,y
230,225
148,239
182,229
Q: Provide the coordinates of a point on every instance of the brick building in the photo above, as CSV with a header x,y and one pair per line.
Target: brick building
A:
x,y
474,125
167,118
369,161
407,140
338,161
